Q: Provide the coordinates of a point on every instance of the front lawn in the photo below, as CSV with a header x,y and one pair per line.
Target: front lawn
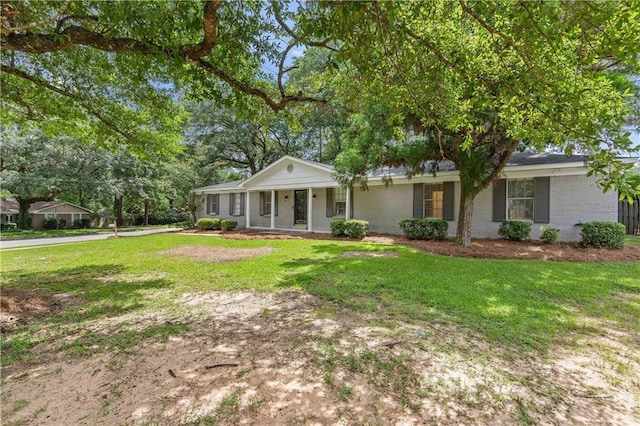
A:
x,y
347,314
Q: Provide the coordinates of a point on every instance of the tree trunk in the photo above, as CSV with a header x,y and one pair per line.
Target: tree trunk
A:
x,y
24,221
465,214
118,208
146,213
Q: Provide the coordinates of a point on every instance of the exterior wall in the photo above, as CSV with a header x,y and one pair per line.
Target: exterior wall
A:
x,y
573,199
224,210
36,221
384,206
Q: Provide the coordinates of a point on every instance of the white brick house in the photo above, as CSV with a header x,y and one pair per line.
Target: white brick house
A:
x,y
293,194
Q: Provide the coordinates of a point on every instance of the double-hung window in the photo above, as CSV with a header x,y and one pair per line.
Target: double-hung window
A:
x,y
340,201
520,199
434,200
212,204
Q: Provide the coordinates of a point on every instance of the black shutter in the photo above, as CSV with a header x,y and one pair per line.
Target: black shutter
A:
x,y
351,204
209,204
541,200
500,201
231,199
447,205
241,203
276,207
418,200
329,202
261,203
216,199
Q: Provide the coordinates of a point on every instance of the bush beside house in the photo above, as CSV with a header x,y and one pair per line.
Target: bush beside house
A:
x,y
356,229
424,229
603,234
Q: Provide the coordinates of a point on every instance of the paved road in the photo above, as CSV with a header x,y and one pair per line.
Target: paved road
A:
x,y
79,238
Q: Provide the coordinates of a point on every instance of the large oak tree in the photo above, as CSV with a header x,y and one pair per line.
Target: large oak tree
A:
x,y
472,81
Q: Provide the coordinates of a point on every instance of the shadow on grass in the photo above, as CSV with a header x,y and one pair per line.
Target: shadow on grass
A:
x,y
88,293
521,304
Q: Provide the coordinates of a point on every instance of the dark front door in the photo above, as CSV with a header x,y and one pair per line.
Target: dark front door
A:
x,y
300,206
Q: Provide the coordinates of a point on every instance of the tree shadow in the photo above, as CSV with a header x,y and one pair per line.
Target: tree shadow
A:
x,y
521,304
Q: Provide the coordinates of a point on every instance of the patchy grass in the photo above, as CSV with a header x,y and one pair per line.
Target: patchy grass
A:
x,y
524,305
633,241
421,330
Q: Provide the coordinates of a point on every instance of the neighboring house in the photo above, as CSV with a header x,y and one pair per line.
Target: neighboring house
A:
x,y
41,210
293,194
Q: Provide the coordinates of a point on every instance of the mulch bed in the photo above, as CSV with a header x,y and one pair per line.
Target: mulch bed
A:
x,y
480,248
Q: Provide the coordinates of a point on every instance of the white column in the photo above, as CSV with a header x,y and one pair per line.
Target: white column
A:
x,y
310,210
247,208
273,209
347,212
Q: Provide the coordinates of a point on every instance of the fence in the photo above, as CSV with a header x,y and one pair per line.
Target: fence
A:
x,y
629,215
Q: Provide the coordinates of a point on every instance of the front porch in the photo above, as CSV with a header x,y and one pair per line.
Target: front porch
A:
x,y
296,209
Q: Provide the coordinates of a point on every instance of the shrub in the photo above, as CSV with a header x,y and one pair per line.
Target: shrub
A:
x,y
549,235
424,229
228,225
515,230
9,226
62,223
82,223
603,234
207,224
167,217
51,223
186,224
356,229
337,227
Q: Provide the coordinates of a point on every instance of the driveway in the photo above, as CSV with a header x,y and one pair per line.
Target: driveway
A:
x,y
79,238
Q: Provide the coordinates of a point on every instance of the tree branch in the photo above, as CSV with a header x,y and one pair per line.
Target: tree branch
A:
x,y
506,39
6,30
63,92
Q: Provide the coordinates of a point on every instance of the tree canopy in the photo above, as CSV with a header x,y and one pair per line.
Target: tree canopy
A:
x,y
471,82
103,68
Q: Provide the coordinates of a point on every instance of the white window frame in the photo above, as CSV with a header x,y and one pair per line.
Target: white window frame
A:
x,y
211,200
266,206
50,215
340,201
436,203
522,200
237,204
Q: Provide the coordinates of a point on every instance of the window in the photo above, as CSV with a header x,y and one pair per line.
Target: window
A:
x,y
212,204
237,204
76,217
434,200
49,215
340,201
265,199
520,195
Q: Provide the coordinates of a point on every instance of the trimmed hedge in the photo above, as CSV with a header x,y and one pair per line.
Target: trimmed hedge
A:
x,y
54,223
424,229
167,217
82,223
356,229
207,224
515,230
337,227
549,235
229,225
8,226
603,234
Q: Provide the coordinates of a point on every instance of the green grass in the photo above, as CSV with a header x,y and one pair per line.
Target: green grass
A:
x,y
523,305
633,241
30,234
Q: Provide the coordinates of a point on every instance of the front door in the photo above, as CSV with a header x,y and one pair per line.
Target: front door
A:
x,y
300,206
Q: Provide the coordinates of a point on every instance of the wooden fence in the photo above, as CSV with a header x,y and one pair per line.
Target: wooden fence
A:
x,y
629,215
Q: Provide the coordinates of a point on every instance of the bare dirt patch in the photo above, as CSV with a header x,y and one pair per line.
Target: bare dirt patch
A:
x,y
290,358
216,254
480,248
20,306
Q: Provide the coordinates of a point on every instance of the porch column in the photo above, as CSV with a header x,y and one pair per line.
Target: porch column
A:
x,y
273,209
347,211
247,213
310,210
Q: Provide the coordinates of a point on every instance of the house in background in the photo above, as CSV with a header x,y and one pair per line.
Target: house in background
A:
x,y
41,210
293,194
